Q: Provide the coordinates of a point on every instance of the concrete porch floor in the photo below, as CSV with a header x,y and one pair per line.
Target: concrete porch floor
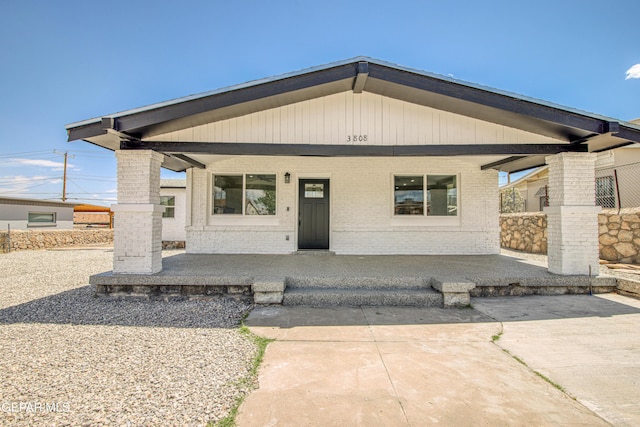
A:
x,y
492,274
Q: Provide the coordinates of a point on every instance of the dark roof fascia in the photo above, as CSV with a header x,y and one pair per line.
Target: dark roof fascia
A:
x,y
85,131
516,163
628,131
273,88
133,120
491,98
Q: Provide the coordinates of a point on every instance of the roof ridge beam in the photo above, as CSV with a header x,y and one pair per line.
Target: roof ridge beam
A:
x,y
361,77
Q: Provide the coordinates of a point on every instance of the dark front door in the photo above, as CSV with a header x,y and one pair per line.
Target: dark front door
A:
x,y
313,214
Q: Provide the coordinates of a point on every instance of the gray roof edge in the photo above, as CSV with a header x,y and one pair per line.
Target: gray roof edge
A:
x,y
353,60
173,183
40,201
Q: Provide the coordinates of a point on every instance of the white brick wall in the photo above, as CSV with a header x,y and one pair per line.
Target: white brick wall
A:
x,y
572,216
362,220
137,241
173,229
572,179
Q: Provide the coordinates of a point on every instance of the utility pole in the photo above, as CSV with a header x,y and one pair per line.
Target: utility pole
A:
x,y
64,174
64,177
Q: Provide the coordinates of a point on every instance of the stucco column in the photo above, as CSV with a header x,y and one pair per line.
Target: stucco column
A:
x,y
137,240
572,217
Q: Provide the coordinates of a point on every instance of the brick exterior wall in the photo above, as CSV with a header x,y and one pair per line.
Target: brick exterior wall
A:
x,y
138,214
362,220
572,214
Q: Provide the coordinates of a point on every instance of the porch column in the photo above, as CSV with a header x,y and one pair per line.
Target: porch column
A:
x,y
137,240
572,216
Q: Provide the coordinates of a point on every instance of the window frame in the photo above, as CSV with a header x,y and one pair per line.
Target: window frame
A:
x,y
610,187
53,223
425,215
242,214
168,207
393,195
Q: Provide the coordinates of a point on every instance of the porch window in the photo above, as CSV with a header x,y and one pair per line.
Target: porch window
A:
x,y
408,195
440,197
250,194
260,194
170,206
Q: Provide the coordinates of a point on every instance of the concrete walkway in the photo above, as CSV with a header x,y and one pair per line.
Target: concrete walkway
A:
x,y
414,366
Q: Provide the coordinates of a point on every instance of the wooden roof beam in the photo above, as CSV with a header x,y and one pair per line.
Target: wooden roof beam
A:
x,y
361,77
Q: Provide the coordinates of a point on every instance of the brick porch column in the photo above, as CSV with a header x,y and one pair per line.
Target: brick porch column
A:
x,y
572,216
137,240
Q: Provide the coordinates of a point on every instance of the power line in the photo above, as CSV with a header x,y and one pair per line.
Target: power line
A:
x,y
91,179
32,186
26,153
14,180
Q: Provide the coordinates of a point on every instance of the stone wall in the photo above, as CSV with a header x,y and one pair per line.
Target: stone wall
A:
x,y
620,235
524,232
618,231
46,239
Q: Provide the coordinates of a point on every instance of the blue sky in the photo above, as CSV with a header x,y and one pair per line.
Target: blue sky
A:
x,y
66,61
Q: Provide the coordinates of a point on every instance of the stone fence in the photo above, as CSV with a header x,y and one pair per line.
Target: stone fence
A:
x,y
41,239
525,232
619,233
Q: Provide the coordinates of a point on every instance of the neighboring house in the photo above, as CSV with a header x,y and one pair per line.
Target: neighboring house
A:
x,y
617,183
173,195
33,214
355,157
92,216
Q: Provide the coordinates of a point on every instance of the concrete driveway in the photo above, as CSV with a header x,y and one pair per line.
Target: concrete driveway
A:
x,y
415,366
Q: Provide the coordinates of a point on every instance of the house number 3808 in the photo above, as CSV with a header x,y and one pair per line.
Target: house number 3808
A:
x,y
356,138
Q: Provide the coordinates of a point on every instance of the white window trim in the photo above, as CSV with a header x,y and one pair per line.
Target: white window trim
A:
x,y
169,206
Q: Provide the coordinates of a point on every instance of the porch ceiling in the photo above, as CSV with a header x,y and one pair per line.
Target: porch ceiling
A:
x,y
574,127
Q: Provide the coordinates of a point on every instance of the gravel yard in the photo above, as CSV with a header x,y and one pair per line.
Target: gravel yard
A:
x,y
68,358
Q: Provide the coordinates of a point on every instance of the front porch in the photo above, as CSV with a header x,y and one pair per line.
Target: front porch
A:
x,y
325,279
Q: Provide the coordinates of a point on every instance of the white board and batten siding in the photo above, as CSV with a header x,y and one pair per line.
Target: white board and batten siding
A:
x,y
368,118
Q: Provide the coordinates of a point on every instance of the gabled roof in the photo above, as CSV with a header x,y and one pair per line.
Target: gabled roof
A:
x,y
574,127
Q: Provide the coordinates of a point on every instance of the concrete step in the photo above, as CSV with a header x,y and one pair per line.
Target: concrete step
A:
x,y
341,282
362,296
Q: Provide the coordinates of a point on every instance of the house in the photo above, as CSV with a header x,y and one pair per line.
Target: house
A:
x,y
355,157
92,216
528,193
617,183
173,195
33,214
